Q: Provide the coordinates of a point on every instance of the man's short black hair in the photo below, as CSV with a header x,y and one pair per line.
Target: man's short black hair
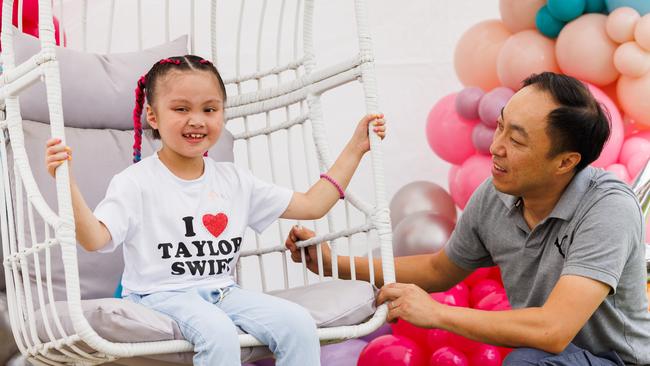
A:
x,y
579,124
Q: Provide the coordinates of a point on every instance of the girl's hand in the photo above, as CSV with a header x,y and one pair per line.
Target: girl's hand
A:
x,y
55,154
299,233
360,138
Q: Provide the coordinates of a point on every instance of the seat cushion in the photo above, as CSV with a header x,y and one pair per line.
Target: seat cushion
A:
x,y
331,303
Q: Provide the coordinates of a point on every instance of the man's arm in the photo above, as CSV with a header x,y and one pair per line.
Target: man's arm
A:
x,y
549,328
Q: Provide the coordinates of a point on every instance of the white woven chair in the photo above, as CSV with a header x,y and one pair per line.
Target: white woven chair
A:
x,y
281,102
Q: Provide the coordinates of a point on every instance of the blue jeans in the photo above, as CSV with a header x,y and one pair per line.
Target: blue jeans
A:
x,y
208,319
571,356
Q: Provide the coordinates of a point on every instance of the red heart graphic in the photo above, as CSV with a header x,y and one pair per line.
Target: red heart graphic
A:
x,y
215,224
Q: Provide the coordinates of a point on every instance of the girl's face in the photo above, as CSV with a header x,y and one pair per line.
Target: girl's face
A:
x,y
188,113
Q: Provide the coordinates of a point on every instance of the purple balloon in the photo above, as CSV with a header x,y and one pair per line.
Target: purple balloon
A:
x,y
383,330
249,364
467,102
265,362
342,354
489,108
482,137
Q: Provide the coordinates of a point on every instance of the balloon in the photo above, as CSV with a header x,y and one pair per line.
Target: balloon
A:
x,y
391,350
463,344
342,354
485,355
448,356
475,277
423,232
523,54
636,163
642,32
642,6
470,175
566,10
482,137
584,50
467,102
620,24
489,109
491,300
612,147
631,60
632,146
481,289
421,196
448,134
460,292
265,362
30,19
383,330
518,15
476,54
595,6
620,171
438,338
403,328
547,24
633,97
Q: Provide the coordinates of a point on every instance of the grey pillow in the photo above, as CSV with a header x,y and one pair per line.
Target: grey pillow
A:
x,y
97,90
331,303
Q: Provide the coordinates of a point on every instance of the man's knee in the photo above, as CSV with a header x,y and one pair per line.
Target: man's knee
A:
x,y
525,357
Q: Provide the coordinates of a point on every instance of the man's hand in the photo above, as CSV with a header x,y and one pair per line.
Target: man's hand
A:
x,y
300,233
411,303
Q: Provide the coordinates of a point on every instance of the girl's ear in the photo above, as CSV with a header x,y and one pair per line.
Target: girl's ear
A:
x,y
151,118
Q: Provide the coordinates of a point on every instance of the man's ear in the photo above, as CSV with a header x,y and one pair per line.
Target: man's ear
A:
x,y
568,162
151,117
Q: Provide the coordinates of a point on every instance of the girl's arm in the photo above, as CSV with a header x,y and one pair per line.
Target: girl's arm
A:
x,y
320,198
91,233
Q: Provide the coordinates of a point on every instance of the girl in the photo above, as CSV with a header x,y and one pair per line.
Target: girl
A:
x,y
182,216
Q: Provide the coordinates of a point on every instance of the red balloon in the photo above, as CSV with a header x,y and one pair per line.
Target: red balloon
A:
x,y
438,338
490,301
485,355
504,351
448,356
461,293
408,330
392,350
476,276
495,274
482,288
30,19
463,344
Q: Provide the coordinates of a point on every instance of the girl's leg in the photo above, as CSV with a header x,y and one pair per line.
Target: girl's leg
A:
x,y
213,334
287,328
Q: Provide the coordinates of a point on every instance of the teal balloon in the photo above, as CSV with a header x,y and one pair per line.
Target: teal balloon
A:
x,y
642,6
547,24
595,6
566,10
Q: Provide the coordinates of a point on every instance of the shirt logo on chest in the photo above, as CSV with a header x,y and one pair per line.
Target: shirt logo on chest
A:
x,y
559,244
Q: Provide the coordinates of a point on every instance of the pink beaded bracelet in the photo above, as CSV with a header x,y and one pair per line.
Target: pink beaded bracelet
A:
x,y
338,187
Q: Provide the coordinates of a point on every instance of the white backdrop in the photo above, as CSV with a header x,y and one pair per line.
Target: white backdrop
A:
x,y
414,44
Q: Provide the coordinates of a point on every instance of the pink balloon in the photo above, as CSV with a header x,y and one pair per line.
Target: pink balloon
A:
x,y
463,344
632,60
470,175
30,19
460,291
438,338
518,15
478,275
621,172
495,274
633,97
448,134
485,355
620,24
405,329
492,300
448,356
642,32
475,56
483,288
636,163
482,137
391,350
467,102
632,146
612,147
447,298
523,54
584,50
491,104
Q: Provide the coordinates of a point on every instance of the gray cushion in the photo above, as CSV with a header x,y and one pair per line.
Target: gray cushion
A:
x,y
97,156
97,90
331,303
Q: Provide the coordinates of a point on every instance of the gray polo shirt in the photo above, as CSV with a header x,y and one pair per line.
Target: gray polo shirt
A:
x,y
596,230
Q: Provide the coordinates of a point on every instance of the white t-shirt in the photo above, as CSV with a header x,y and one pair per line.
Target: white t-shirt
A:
x,y
184,233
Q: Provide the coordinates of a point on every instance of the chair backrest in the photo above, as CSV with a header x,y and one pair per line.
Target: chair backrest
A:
x,y
274,111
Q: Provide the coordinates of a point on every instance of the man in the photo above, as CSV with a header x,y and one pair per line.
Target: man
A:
x,y
567,237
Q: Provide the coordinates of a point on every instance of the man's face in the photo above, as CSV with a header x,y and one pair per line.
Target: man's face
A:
x,y
521,145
